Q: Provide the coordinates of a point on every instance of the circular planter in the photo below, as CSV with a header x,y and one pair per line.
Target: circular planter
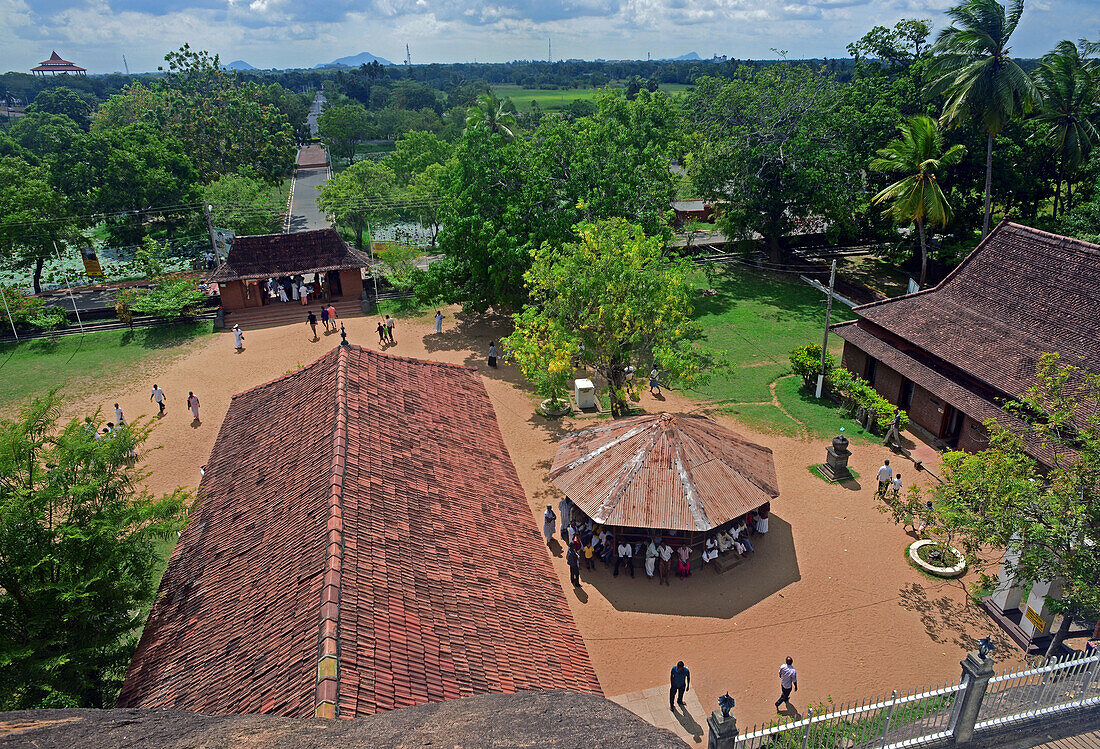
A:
x,y
562,409
931,569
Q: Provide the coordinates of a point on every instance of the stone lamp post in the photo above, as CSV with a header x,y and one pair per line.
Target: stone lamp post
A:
x,y
836,459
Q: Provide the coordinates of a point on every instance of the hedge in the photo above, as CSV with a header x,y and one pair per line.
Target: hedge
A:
x,y
852,389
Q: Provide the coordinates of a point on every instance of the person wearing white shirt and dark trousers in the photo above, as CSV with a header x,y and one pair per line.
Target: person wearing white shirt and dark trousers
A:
x,y
625,556
884,476
788,680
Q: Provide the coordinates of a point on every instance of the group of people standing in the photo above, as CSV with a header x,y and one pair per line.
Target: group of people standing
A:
x,y
587,542
295,288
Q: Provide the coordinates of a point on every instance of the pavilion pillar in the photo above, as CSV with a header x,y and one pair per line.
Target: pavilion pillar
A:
x,y
1038,616
1008,593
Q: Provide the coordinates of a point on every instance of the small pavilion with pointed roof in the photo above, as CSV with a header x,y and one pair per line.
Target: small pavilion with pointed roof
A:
x,y
657,473
56,65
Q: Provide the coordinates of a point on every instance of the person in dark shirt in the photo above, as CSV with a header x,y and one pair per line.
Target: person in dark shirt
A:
x,y
573,559
681,680
312,320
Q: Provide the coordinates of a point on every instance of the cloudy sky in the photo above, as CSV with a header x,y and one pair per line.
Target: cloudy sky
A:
x,y
302,33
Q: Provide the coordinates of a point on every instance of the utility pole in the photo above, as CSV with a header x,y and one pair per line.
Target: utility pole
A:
x,y
210,228
825,341
549,57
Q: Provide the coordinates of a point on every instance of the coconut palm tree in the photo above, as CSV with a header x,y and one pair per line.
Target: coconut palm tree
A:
x,y
490,113
1070,86
979,78
917,197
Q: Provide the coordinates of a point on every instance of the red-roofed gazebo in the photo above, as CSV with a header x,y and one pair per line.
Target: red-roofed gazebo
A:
x,y
56,65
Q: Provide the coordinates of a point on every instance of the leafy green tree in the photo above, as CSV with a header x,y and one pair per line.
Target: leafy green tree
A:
x,y
168,299
245,204
492,115
426,193
48,136
76,105
906,42
414,152
343,128
1047,517
362,194
30,210
1070,87
78,551
979,78
770,152
613,299
917,197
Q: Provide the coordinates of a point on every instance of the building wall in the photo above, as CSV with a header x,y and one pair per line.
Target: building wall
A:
x,y
927,410
853,359
972,436
351,283
888,383
232,295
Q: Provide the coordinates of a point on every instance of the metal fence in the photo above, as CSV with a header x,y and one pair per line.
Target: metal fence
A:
x,y
900,720
936,714
1066,683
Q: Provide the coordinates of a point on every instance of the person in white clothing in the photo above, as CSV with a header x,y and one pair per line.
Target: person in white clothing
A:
x,y
895,486
119,419
282,293
548,523
238,339
158,397
624,555
710,553
884,476
665,551
438,321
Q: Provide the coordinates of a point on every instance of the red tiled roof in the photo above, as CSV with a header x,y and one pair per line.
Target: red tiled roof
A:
x,y
1021,293
670,471
272,255
362,541
56,63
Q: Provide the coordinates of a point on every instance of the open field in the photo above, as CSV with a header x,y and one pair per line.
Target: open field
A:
x,y
81,364
556,99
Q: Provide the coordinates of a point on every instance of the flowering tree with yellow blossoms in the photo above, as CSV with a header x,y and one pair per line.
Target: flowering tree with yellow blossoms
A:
x,y
611,300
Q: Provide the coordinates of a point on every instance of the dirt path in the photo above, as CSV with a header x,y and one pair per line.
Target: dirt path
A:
x,y
828,585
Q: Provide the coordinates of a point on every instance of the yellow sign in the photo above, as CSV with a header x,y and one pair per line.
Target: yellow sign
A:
x,y
92,268
1036,620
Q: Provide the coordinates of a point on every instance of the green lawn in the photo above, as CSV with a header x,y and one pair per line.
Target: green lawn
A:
x,y
557,99
32,367
756,318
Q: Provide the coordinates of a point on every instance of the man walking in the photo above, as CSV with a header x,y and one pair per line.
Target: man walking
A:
x,y
788,680
312,320
681,680
158,397
324,317
389,328
548,519
666,562
332,316
565,516
894,432
438,321
119,419
884,475
238,339
573,559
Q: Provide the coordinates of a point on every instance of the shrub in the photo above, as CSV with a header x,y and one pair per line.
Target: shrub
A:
x,y
50,318
806,363
168,300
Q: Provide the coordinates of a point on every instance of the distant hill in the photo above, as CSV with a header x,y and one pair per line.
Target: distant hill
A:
x,y
239,65
688,56
363,58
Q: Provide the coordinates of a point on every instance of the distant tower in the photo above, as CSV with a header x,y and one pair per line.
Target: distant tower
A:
x,y
549,57
408,57
126,65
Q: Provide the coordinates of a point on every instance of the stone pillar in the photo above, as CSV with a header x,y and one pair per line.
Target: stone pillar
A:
x,y
1037,614
1009,593
977,672
721,733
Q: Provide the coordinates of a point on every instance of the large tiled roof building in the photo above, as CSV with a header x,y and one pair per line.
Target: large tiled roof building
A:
x,y
362,543
953,354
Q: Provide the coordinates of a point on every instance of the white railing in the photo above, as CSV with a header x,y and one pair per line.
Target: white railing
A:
x,y
900,720
1066,683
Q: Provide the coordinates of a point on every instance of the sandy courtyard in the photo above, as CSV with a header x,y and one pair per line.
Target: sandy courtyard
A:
x,y
828,585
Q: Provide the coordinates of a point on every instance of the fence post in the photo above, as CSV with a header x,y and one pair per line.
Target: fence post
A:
x,y
809,722
977,671
1090,676
889,715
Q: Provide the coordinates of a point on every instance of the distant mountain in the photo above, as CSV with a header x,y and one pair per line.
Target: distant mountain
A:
x,y
363,58
688,56
239,65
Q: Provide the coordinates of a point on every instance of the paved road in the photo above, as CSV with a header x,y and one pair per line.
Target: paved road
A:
x,y
304,213
314,110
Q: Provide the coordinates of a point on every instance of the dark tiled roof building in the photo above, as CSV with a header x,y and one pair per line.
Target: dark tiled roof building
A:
x,y
953,354
362,543
255,258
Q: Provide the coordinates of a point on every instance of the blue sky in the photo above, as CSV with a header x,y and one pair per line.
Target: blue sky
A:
x,y
302,33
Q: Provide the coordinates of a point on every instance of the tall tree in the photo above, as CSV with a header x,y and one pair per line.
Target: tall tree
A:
x,y
361,195
978,76
343,128
245,204
78,549
1070,87
77,105
493,115
614,300
30,209
917,197
414,152
770,152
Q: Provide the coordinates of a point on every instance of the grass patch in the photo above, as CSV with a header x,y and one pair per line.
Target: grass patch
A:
x,y
554,100
32,368
402,308
822,418
763,418
745,384
816,470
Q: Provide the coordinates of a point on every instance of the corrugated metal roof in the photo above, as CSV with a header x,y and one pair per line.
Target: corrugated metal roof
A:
x,y
669,471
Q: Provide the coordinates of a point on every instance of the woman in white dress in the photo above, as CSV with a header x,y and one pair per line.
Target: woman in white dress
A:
x,y
293,290
282,293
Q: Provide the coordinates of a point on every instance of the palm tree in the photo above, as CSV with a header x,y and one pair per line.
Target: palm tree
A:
x,y
917,197
491,114
979,78
1070,85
